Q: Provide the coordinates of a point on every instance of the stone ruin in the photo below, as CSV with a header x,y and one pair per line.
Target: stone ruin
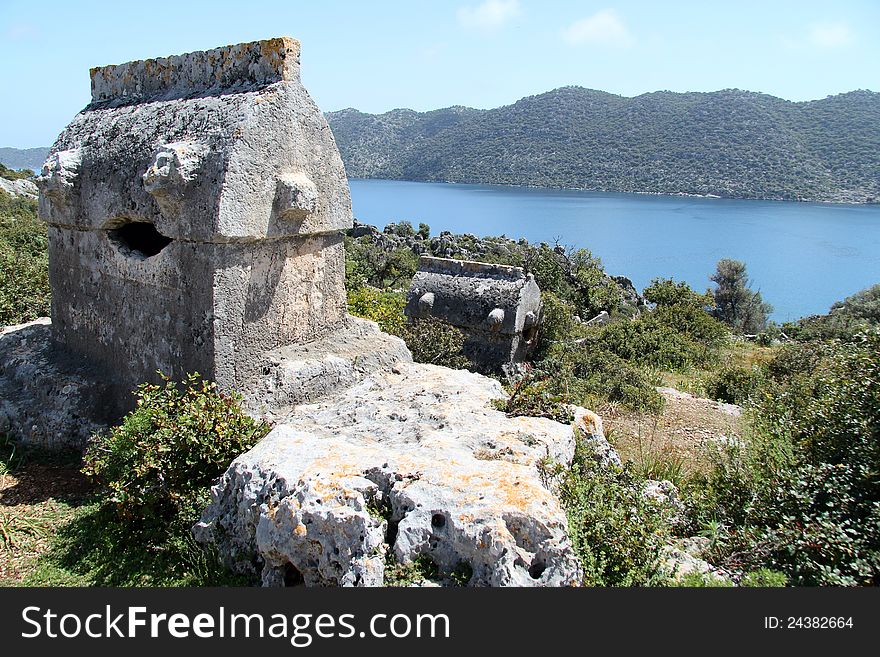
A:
x,y
194,210
496,306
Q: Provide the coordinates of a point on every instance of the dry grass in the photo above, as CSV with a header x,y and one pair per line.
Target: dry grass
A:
x,y
674,443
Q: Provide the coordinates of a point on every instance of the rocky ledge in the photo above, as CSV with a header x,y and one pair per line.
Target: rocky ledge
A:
x,y
21,187
414,461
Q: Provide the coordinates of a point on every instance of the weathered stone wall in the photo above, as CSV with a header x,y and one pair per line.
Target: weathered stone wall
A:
x,y
497,306
212,308
195,209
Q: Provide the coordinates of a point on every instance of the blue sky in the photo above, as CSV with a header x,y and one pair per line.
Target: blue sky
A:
x,y
376,55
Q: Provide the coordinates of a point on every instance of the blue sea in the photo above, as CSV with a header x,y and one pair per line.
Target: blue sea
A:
x,y
801,256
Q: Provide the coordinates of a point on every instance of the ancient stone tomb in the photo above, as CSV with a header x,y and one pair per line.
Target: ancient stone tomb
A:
x,y
194,210
496,306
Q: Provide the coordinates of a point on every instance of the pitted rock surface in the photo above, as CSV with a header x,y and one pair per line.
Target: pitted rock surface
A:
x,y
416,461
47,398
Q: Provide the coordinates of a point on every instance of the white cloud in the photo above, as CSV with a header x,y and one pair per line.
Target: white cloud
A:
x,y
490,15
604,28
830,35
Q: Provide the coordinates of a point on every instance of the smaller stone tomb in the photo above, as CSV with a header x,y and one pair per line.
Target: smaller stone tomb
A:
x,y
496,306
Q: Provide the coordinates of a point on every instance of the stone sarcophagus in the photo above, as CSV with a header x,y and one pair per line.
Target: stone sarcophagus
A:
x,y
496,306
195,211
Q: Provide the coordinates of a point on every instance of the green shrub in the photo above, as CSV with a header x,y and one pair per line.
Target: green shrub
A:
x,y
704,581
435,342
764,578
667,292
558,324
733,384
381,306
617,532
429,340
802,495
399,575
538,394
13,174
598,375
367,263
846,319
171,447
24,262
674,336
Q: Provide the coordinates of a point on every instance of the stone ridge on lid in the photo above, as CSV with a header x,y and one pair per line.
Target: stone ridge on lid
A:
x,y
253,64
469,267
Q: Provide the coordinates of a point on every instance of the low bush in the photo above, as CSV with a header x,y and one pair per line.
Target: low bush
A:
x,y
368,264
24,262
381,306
429,340
617,532
675,336
538,394
435,342
600,376
585,377
398,575
845,320
558,324
764,578
165,454
802,494
733,384
15,174
668,292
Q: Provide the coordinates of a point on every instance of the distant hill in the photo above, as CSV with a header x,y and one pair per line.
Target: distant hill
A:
x,y
24,158
728,143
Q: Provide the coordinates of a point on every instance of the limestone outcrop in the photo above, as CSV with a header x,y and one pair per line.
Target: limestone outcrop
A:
x,y
413,462
47,397
21,187
53,398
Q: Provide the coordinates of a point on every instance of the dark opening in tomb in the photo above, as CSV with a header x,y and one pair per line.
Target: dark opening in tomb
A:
x,y
140,237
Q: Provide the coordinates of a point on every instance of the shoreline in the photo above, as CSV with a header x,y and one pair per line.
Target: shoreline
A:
x,y
642,193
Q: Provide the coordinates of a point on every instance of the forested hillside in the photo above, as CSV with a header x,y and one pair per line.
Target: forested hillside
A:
x,y
728,143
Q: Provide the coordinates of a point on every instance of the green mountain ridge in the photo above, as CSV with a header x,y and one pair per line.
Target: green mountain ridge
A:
x,y
728,143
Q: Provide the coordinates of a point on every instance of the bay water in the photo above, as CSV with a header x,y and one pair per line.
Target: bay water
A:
x,y
801,256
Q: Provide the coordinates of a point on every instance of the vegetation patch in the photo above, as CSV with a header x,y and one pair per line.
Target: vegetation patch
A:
x,y
171,447
617,532
24,261
802,494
